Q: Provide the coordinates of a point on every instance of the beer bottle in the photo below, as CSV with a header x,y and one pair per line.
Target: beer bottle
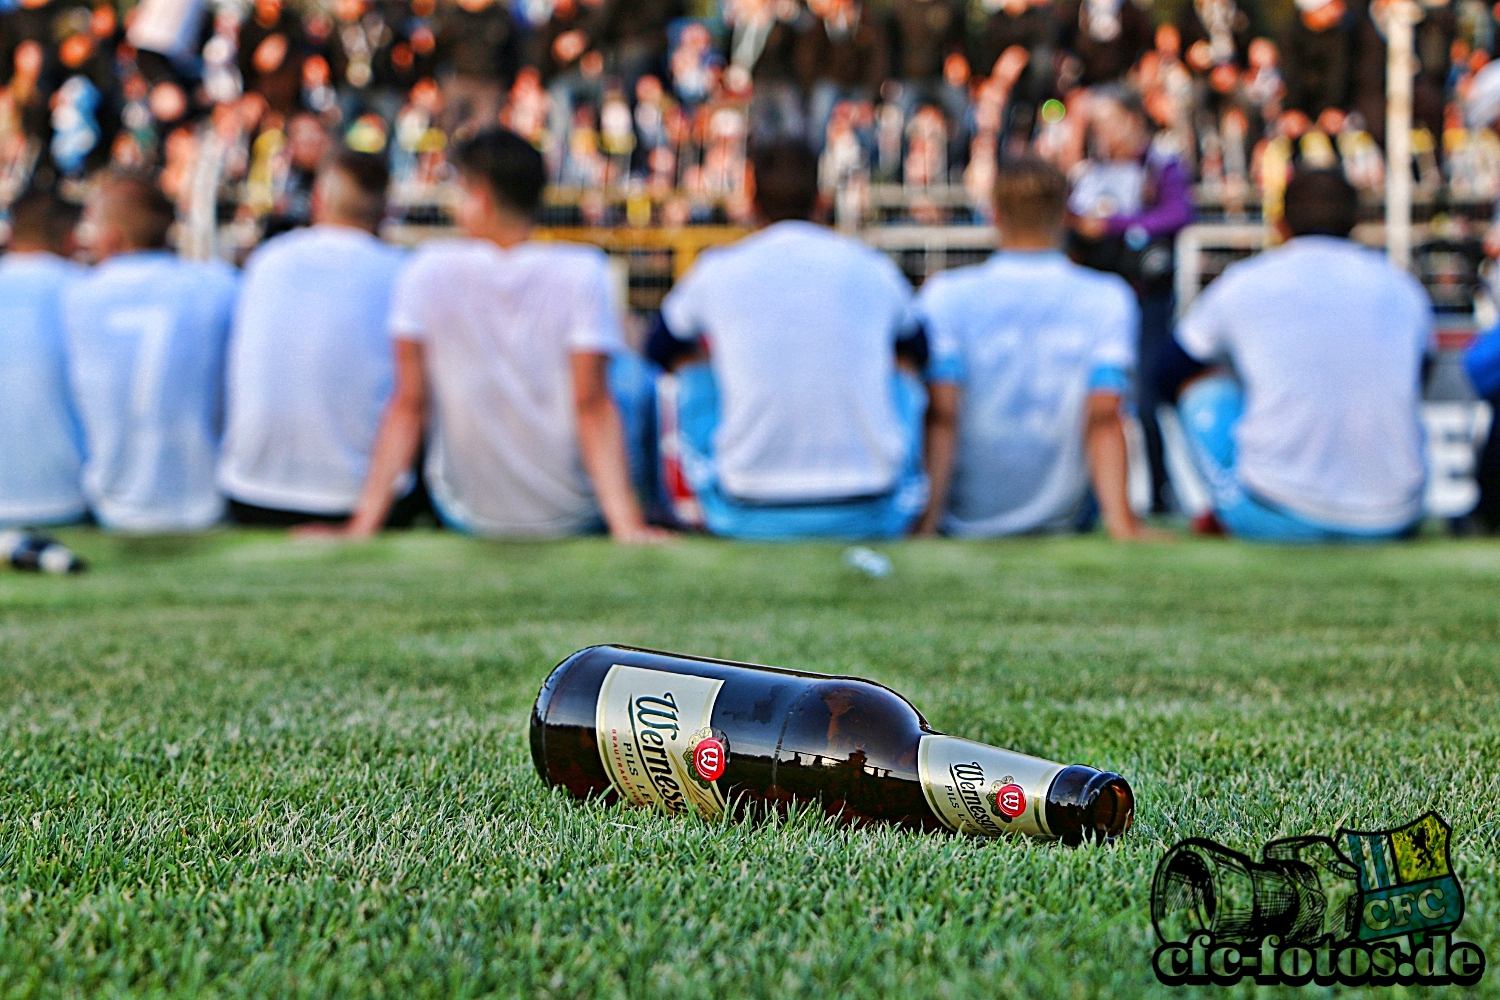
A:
x,y
38,553
689,733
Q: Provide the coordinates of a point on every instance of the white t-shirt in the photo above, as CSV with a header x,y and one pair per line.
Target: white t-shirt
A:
x,y
1328,339
146,336
41,445
500,327
310,369
800,324
1027,336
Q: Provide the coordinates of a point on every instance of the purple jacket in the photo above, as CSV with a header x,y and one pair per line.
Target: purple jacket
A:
x,y
1168,201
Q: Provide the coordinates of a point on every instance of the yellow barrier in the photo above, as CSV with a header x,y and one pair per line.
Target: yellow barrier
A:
x,y
684,245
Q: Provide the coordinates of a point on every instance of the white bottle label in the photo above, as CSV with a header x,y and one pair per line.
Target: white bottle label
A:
x,y
983,790
648,723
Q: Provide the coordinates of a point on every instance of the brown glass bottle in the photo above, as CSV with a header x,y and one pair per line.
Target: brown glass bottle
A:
x,y
690,733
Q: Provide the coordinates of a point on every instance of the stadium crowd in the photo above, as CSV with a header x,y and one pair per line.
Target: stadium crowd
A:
x,y
662,100
793,386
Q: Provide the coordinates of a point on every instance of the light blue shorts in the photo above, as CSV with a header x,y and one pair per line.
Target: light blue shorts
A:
x,y
691,423
1208,410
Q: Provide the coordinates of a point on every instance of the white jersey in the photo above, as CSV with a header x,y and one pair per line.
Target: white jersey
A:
x,y
310,369
499,327
146,335
1327,338
1027,337
41,446
801,325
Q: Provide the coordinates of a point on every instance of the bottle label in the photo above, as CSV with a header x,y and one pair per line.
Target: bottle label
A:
x,y
656,740
983,790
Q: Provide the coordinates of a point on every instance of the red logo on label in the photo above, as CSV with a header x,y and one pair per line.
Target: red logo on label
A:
x,y
709,759
1010,800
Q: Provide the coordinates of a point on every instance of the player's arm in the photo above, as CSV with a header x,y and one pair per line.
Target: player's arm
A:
x,y
397,441
941,443
1104,441
601,439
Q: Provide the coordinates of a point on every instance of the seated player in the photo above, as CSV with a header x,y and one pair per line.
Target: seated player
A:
x,y
798,425
1031,356
310,368
502,350
1316,434
146,334
41,447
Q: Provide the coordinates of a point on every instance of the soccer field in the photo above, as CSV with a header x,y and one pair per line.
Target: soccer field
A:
x,y
242,766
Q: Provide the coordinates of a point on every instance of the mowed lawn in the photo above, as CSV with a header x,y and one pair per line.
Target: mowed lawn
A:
x,y
239,766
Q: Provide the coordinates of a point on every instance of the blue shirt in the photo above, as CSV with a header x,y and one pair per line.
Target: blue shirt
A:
x,y
41,446
146,335
1026,336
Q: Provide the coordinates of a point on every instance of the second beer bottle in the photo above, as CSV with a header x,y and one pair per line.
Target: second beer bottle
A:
x,y
684,733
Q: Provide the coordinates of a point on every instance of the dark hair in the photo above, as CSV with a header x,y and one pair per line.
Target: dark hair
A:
x,y
786,181
39,218
1031,195
363,200
509,164
1320,203
367,170
136,204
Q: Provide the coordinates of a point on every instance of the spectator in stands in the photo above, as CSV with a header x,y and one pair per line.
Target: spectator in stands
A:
x,y
307,146
502,347
571,65
41,446
763,52
272,45
1129,201
1029,27
800,424
841,57
478,51
634,34
1434,36
1216,33
1031,358
1316,437
1105,36
45,23
929,53
146,334
310,368
1317,59
360,45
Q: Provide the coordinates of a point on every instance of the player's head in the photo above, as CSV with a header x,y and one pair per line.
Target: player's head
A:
x,y
1031,196
41,222
350,190
786,181
1319,203
127,212
501,177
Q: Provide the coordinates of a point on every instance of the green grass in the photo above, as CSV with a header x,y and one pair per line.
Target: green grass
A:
x,y
240,766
